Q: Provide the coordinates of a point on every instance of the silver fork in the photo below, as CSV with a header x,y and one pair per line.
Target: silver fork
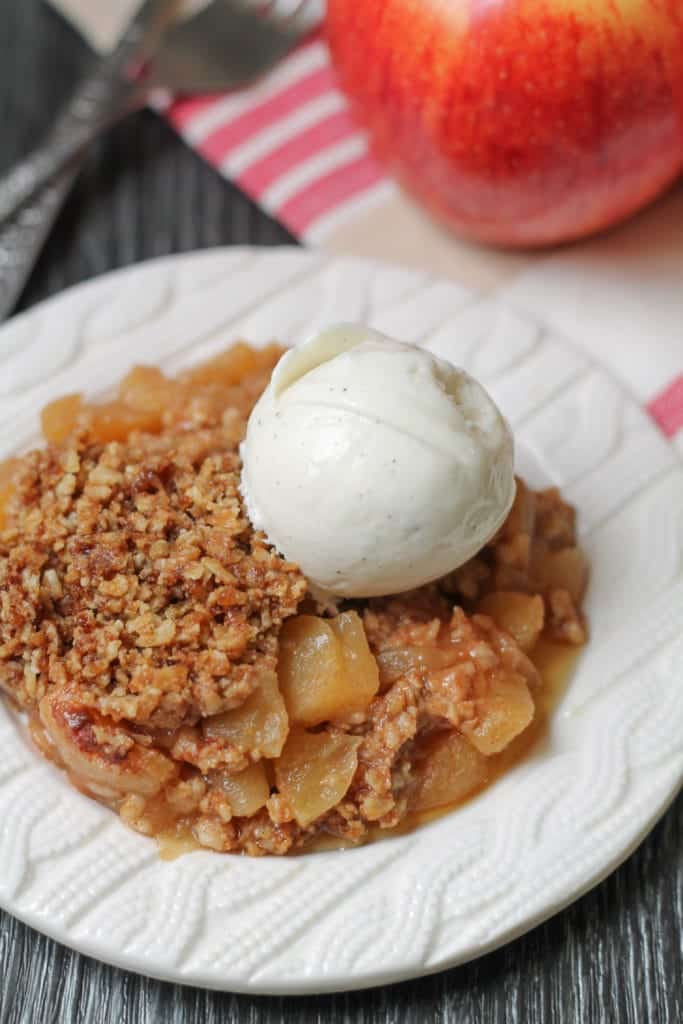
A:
x,y
226,45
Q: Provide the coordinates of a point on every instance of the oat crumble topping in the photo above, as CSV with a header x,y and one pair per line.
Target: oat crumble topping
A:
x,y
141,616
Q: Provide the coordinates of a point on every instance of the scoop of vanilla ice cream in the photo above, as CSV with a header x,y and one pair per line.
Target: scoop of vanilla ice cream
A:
x,y
374,465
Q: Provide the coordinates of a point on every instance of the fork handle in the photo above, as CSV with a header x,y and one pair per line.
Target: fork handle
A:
x,y
23,236
97,104
106,95
33,193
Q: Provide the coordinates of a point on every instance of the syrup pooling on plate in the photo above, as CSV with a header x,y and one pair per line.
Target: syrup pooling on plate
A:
x,y
163,648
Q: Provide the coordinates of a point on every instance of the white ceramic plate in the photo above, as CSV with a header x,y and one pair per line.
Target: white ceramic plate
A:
x,y
546,832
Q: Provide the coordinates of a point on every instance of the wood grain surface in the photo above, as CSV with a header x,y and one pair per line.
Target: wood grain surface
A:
x,y
614,956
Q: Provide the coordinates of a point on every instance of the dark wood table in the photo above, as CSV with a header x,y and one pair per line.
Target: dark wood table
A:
x,y
615,956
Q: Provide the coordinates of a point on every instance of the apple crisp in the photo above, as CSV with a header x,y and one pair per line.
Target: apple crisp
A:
x,y
178,669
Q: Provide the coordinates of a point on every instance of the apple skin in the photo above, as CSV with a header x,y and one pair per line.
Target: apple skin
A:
x,y
518,122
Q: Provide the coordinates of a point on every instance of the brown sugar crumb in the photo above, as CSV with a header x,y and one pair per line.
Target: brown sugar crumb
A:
x,y
115,587
535,552
141,619
565,623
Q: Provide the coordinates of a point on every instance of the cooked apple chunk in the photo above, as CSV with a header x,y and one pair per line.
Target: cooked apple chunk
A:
x,y
326,668
247,791
315,771
259,726
501,714
449,769
521,615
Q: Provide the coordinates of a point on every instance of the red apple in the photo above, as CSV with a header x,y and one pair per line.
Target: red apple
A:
x,y
519,122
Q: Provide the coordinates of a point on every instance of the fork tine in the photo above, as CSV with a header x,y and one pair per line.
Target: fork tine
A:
x,y
285,12
291,10
237,40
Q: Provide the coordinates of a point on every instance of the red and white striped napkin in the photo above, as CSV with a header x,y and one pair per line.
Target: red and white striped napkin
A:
x,y
291,143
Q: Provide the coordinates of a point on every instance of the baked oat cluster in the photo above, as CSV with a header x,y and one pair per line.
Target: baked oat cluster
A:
x,y
176,667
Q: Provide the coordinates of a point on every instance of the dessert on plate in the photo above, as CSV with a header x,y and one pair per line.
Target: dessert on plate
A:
x,y
283,599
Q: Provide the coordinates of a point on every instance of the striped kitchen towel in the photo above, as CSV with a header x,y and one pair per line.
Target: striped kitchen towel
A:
x,y
291,143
